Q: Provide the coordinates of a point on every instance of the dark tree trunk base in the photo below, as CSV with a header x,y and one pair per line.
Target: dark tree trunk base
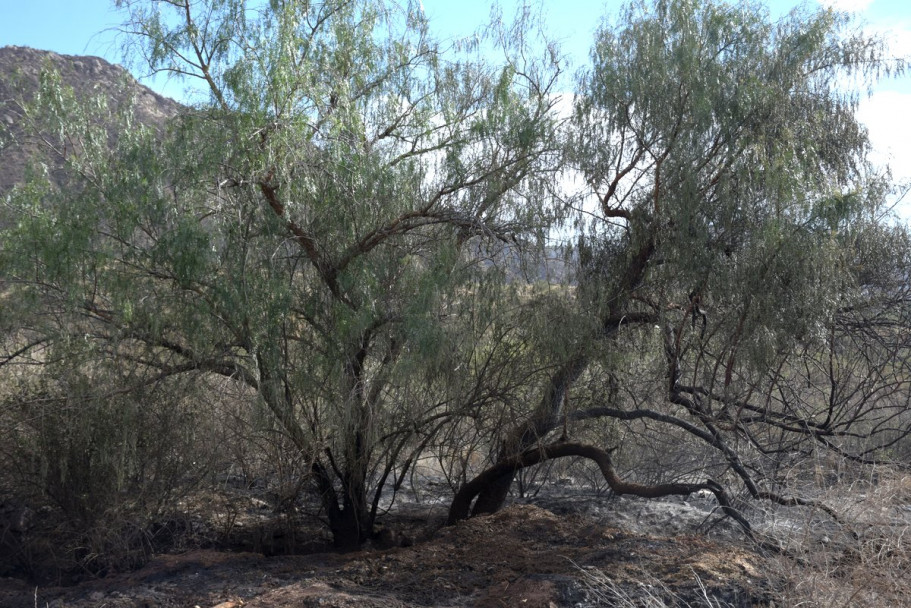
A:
x,y
492,498
349,533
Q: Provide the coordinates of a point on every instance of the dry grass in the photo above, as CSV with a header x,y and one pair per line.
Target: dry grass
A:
x,y
648,593
868,567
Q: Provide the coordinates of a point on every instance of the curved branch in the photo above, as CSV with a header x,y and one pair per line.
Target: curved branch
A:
x,y
609,412
461,504
18,353
324,266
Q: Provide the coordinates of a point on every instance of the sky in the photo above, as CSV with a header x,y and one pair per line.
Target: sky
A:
x,y
90,27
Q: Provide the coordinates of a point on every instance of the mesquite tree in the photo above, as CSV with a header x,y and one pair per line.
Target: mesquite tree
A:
x,y
309,232
733,227
322,233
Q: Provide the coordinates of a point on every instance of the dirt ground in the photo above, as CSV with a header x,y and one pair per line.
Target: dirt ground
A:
x,y
570,545
524,556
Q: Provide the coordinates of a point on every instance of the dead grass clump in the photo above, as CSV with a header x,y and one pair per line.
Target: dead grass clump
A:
x,y
647,593
868,564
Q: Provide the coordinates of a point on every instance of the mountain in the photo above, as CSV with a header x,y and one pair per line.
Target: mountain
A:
x,y
20,68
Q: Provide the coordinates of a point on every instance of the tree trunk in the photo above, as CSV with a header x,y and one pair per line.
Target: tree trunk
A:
x,y
350,529
548,414
351,524
462,502
545,418
493,496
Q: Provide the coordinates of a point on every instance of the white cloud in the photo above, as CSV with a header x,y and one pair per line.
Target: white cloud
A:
x,y
886,115
887,112
898,37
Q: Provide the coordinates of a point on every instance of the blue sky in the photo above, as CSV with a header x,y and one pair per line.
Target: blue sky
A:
x,y
89,27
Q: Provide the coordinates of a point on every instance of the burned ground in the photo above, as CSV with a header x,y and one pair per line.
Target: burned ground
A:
x,y
568,545
522,556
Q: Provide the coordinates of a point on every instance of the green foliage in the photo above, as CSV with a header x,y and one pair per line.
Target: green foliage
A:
x,y
306,232
337,233
730,143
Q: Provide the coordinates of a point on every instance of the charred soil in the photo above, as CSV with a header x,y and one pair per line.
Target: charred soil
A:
x,y
524,555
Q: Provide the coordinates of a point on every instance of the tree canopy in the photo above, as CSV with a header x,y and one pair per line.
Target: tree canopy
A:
x,y
339,233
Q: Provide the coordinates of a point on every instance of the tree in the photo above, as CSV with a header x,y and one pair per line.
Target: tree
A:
x,y
306,233
333,234
727,266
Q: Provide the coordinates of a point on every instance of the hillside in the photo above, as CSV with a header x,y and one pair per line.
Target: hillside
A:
x,y
20,68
